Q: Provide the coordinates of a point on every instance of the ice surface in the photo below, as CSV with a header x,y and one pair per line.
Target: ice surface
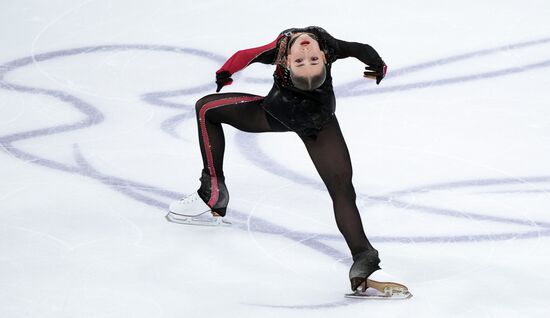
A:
x,y
97,135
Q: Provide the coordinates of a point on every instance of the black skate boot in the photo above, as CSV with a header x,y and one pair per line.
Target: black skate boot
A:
x,y
369,281
194,209
205,192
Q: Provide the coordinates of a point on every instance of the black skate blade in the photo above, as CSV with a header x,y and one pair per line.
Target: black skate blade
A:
x,y
202,220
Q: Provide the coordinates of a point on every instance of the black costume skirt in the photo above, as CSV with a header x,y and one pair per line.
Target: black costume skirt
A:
x,y
304,112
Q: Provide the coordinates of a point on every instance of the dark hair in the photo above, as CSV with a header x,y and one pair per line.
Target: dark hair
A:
x,y
308,83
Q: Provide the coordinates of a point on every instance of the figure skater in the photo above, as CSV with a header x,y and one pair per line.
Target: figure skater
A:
x,y
301,100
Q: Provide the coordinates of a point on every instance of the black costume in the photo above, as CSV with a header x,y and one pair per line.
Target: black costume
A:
x,y
308,113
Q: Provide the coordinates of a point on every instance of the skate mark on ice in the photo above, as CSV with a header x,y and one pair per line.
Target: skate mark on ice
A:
x,y
345,302
93,116
265,162
142,192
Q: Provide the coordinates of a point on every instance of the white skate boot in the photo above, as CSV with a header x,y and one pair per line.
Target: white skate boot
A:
x,y
192,210
381,285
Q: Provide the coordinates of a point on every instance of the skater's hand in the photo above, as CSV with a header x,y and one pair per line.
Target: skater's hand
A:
x,y
223,78
376,72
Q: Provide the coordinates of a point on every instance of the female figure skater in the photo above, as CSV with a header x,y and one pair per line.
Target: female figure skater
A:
x,y
301,100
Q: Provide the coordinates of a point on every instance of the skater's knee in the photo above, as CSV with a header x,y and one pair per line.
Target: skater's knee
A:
x,y
200,104
203,101
340,184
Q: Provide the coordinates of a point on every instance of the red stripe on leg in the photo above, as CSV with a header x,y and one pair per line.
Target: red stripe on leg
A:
x,y
214,194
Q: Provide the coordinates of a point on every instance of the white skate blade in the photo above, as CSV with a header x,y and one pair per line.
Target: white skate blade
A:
x,y
204,219
381,290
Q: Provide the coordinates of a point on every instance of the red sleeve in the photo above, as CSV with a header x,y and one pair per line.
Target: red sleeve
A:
x,y
264,54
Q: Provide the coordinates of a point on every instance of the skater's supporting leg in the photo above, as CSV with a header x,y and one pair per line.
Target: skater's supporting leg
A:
x,y
330,156
242,111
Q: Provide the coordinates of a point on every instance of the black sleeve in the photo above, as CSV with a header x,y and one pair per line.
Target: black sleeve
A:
x,y
363,52
342,49
267,57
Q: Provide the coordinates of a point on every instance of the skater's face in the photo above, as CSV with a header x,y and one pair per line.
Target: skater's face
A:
x,y
305,57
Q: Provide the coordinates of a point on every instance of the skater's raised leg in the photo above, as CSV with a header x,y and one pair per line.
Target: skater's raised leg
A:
x,y
242,111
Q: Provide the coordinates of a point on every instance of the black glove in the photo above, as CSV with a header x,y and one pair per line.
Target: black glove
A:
x,y
378,71
223,78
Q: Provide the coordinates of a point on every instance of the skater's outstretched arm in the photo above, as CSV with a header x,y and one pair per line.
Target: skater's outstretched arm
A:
x,y
263,54
375,69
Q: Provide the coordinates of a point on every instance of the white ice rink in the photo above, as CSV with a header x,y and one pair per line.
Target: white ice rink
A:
x,y
451,156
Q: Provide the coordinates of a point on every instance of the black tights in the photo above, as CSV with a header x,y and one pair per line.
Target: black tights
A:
x,y
328,152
